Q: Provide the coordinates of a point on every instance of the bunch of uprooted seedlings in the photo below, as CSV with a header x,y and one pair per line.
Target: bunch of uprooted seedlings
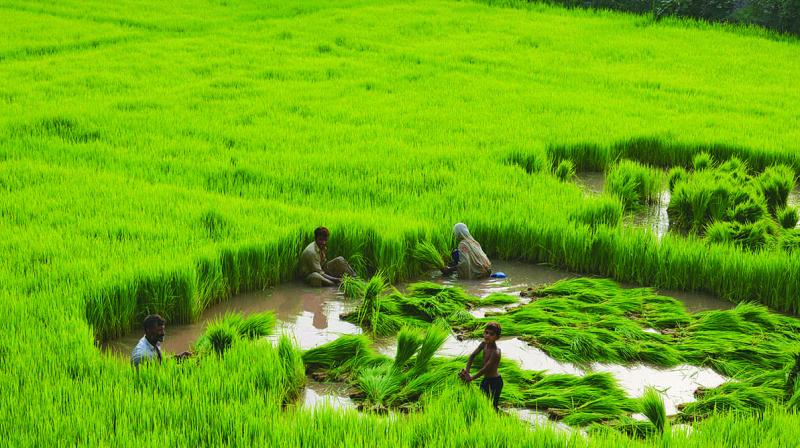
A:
x,y
585,320
424,302
381,383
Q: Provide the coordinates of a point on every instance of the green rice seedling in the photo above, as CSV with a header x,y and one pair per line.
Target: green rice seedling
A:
x,y
426,253
291,361
496,298
218,336
460,319
634,184
582,401
702,161
337,352
369,308
641,429
698,202
123,123
532,162
379,384
588,289
757,314
675,176
384,324
776,182
256,325
790,241
653,407
408,342
352,287
787,217
603,210
565,170
445,293
435,336
750,208
586,156
794,401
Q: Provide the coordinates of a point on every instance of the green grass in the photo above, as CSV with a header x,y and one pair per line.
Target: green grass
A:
x,y
164,156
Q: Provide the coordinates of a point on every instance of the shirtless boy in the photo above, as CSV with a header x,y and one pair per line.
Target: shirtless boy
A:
x,y
492,383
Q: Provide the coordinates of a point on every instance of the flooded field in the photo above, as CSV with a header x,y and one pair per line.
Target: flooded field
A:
x,y
312,317
653,216
311,314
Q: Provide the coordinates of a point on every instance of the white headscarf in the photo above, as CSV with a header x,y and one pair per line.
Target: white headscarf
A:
x,y
471,252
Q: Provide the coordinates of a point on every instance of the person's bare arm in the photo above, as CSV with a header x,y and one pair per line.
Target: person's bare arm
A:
x,y
490,364
465,373
473,355
330,278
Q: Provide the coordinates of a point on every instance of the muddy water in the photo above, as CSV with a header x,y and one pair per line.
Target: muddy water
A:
x,y
654,216
592,183
676,384
696,301
311,316
794,201
333,395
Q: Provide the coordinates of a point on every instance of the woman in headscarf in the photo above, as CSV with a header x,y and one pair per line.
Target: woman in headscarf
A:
x,y
469,259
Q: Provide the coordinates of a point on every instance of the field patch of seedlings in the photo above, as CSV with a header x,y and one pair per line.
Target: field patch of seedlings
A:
x,y
582,321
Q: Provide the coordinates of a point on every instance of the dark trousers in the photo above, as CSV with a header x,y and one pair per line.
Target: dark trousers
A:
x,y
492,388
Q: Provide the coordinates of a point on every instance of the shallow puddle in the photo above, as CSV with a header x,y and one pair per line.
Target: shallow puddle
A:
x,y
696,301
333,395
654,216
592,183
539,419
676,384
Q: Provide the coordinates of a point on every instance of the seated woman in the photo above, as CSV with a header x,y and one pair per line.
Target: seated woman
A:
x,y
469,260
315,268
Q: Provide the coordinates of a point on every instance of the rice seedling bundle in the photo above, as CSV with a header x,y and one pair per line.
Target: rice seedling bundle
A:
x,y
426,253
653,408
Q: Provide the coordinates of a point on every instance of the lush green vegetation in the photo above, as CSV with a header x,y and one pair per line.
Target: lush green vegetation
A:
x,y
727,204
162,156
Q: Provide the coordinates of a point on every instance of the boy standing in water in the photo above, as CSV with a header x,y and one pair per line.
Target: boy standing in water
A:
x,y
492,383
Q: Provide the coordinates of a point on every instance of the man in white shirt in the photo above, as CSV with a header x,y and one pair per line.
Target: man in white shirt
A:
x,y
149,347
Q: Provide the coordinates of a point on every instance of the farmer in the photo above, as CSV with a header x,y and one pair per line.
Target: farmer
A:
x,y
149,347
492,384
469,259
313,265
